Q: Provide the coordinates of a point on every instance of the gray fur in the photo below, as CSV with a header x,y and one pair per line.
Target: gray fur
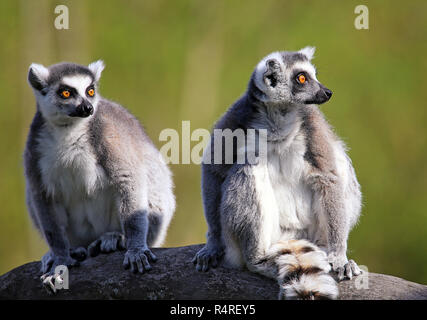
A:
x,y
94,182
251,224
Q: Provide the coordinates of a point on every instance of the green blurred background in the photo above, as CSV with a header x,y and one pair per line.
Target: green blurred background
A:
x,y
169,61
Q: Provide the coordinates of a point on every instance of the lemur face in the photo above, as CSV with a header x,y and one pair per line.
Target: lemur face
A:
x,y
289,77
66,92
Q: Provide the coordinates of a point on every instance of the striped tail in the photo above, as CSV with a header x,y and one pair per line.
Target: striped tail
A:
x,y
303,271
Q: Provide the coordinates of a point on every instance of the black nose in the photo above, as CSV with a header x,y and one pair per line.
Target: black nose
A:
x,y
328,93
322,95
88,109
83,110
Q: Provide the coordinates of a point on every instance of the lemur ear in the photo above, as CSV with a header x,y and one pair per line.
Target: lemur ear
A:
x,y
96,68
272,73
308,52
37,76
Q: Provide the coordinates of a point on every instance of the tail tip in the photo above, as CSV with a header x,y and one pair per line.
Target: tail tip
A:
x,y
319,287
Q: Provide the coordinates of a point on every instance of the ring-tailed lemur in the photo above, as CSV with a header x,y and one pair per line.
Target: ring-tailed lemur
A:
x,y
95,182
288,215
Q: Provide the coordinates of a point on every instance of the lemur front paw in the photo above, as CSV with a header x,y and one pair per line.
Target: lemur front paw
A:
x,y
343,267
137,259
108,242
79,253
208,256
50,275
50,261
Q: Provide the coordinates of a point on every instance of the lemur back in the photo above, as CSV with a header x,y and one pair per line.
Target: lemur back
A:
x,y
95,181
288,215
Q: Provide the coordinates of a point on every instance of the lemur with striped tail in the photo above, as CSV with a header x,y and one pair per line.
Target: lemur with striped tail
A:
x,y
288,215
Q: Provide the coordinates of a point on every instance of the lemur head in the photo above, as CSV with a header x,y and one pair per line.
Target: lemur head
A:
x,y
65,92
290,78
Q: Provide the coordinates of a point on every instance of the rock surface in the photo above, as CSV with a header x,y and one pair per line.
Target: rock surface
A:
x,y
174,277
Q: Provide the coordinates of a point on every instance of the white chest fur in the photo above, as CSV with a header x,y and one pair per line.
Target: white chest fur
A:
x,y
287,168
282,190
68,165
71,176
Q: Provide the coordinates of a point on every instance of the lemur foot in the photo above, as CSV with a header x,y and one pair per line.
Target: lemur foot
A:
x,y
50,261
51,276
108,242
344,268
78,254
137,259
208,256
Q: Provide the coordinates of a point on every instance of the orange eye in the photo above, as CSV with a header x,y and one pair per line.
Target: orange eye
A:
x,y
65,94
91,92
301,78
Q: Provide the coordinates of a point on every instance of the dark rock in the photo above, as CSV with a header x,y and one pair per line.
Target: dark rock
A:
x,y
174,277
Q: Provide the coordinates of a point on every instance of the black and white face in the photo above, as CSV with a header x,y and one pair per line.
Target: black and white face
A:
x,y
289,77
66,92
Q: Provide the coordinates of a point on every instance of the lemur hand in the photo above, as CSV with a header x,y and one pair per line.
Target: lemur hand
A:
x,y
50,261
209,255
343,267
137,259
108,242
